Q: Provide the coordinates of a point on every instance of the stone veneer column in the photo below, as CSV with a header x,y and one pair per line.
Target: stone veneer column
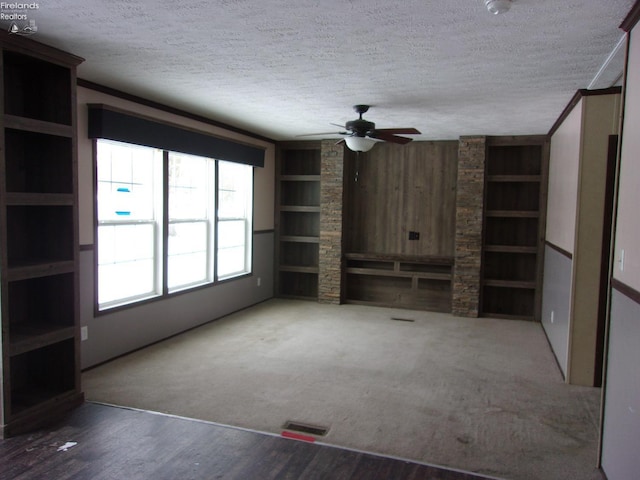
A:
x,y
469,206
330,249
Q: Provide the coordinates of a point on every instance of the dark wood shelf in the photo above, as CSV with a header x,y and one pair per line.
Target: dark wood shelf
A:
x,y
509,249
298,213
36,268
512,213
37,85
299,239
297,268
514,178
299,158
40,199
509,283
43,373
407,281
299,178
514,219
299,223
35,400
32,337
296,284
38,126
38,162
415,259
299,208
39,244
395,273
39,233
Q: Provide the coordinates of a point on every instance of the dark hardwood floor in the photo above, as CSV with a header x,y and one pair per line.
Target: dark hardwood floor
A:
x,y
118,443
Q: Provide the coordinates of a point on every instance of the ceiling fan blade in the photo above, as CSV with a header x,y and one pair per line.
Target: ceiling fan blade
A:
x,y
393,131
387,137
321,133
338,125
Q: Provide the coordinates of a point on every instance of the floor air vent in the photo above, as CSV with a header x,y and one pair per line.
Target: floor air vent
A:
x,y
305,428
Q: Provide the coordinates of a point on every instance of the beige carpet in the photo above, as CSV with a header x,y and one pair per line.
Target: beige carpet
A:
x,y
481,395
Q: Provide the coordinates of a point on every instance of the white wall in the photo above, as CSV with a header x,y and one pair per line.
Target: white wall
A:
x,y
564,166
621,423
115,333
628,227
562,200
601,118
621,427
574,231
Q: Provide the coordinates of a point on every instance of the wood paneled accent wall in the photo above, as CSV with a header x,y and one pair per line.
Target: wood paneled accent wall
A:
x,y
393,190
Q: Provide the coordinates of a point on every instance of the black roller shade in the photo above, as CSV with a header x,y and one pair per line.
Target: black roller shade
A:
x,y
111,124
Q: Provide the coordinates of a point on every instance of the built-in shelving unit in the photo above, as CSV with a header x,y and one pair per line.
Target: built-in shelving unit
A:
x,y
38,235
513,227
298,219
420,282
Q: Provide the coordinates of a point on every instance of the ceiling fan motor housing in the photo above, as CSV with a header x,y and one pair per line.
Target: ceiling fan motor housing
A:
x,y
360,127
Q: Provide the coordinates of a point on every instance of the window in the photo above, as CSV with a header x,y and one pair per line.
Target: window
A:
x,y
156,222
190,228
128,220
235,186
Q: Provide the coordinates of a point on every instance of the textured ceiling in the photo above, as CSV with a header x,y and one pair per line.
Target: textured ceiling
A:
x,y
285,68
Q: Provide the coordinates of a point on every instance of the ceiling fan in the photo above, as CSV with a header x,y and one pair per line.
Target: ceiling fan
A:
x,y
360,134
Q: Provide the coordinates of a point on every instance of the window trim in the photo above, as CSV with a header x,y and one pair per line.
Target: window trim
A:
x,y
162,242
246,240
210,223
248,229
135,298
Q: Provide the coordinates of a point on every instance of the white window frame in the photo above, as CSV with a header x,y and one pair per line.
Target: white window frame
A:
x,y
161,224
154,220
208,219
247,220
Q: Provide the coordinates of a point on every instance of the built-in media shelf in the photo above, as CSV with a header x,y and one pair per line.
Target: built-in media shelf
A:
x,y
298,219
513,219
38,236
420,282
38,162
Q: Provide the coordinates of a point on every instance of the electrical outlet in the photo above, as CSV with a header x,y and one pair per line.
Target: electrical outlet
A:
x,y
84,333
414,235
258,281
622,260
551,316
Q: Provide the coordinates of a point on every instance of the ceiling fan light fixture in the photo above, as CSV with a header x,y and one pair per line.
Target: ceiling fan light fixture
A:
x,y
497,6
359,144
